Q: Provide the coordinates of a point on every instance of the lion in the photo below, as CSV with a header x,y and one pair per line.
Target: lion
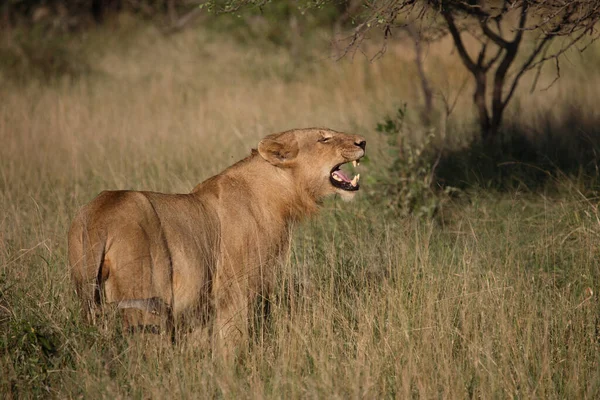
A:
x,y
165,259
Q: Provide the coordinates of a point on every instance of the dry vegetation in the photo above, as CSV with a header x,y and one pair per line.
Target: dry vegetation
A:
x,y
498,298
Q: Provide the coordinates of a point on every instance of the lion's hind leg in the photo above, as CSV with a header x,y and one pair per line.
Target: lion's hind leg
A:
x,y
137,284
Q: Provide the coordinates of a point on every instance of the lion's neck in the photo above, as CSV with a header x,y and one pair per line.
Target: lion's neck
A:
x,y
274,187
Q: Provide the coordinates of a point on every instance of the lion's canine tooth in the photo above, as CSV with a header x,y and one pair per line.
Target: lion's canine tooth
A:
x,y
357,177
354,163
354,180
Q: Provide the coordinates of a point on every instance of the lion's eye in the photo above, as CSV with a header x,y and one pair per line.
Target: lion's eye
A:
x,y
325,139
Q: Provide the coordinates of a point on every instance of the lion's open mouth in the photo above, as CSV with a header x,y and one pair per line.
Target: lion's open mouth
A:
x,y
341,179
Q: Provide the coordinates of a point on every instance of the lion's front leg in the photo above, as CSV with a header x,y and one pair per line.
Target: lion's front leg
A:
x,y
230,329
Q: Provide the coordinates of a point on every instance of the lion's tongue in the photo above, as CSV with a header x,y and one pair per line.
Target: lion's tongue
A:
x,y
342,175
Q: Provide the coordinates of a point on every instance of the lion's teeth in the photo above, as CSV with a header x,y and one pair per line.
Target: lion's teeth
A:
x,y
354,180
337,178
354,163
357,177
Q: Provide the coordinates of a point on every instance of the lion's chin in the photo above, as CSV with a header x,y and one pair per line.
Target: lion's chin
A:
x,y
346,195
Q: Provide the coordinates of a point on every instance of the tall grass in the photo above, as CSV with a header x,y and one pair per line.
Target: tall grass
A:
x,y
496,298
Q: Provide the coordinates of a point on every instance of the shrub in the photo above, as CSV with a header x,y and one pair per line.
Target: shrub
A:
x,y
408,179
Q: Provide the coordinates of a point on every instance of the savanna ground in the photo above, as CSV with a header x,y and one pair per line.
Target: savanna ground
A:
x,y
494,296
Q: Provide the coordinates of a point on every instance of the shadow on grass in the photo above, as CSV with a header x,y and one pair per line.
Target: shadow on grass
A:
x,y
527,158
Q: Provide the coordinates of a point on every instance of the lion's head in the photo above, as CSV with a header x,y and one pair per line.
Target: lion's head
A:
x,y
315,158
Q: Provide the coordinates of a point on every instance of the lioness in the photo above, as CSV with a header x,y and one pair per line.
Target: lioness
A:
x,y
186,257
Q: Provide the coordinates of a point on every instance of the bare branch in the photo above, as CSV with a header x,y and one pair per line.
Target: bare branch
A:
x,y
458,42
538,72
450,105
481,56
492,35
380,52
549,36
527,65
556,77
493,60
425,85
178,23
522,20
511,52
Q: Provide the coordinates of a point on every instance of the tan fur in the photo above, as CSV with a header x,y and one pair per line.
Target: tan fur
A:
x,y
209,252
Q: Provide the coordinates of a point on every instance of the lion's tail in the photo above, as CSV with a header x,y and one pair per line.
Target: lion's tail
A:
x,y
86,258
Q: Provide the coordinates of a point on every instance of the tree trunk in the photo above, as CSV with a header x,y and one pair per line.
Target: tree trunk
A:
x,y
99,8
5,22
172,12
495,123
425,87
98,11
480,103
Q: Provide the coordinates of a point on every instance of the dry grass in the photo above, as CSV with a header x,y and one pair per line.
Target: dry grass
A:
x,y
498,301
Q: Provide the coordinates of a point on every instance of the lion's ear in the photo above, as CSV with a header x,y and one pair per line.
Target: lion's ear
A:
x,y
279,150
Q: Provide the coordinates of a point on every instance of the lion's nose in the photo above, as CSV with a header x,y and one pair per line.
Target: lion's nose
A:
x,y
362,143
